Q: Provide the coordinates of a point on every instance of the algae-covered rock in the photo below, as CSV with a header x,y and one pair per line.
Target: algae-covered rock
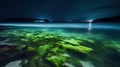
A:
x,y
72,41
53,47
43,49
57,60
82,49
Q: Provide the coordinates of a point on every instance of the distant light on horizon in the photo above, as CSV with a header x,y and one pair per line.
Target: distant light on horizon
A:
x,y
39,21
91,20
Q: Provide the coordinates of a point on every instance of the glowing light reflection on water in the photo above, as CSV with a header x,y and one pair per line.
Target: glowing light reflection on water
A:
x,y
64,25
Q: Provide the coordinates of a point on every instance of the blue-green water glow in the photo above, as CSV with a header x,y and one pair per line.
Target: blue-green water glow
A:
x,y
61,45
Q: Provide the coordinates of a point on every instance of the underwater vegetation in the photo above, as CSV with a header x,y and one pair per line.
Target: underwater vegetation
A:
x,y
57,48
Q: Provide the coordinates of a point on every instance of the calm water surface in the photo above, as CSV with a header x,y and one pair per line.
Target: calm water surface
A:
x,y
103,40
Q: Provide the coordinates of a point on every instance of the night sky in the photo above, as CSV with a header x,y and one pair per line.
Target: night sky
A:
x,y
59,9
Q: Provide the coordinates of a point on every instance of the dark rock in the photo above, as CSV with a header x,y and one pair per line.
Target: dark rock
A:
x,y
10,53
7,48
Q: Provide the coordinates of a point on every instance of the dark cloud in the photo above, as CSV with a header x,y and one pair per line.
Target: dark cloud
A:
x,y
113,5
59,9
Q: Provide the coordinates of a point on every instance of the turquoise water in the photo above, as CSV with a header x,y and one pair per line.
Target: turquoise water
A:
x,y
60,45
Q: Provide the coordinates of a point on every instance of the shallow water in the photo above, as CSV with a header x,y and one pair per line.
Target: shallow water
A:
x,y
60,45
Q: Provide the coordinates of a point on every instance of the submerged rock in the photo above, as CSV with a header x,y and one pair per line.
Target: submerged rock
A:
x,y
86,64
14,64
53,49
9,53
7,48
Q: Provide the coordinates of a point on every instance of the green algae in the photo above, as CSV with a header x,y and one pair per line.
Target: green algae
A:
x,y
81,49
57,60
51,46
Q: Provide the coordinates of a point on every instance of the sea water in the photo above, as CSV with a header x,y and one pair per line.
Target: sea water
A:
x,y
60,45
